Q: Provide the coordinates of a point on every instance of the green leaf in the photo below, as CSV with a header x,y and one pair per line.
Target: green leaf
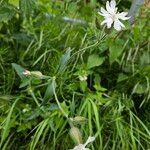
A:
x,y
49,91
14,2
140,89
65,107
83,85
115,49
7,124
27,7
137,33
6,13
64,60
19,70
25,82
122,77
94,60
146,70
39,132
145,58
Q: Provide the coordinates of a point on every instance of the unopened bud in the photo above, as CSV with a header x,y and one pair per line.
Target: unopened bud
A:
x,y
76,135
79,120
26,73
37,74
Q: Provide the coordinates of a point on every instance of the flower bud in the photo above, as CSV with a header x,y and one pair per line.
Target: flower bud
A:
x,y
26,73
37,74
76,135
79,120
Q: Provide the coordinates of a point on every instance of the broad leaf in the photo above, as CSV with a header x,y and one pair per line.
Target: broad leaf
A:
x,y
19,70
94,60
14,2
115,49
6,13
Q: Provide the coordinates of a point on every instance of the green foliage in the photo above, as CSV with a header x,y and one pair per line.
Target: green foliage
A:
x,y
19,70
27,7
62,73
94,60
6,13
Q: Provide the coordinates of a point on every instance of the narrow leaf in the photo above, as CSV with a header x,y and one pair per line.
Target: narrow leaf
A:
x,y
64,60
49,92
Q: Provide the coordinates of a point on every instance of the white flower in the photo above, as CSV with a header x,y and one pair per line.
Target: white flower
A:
x,y
25,110
112,16
80,147
83,78
26,73
83,146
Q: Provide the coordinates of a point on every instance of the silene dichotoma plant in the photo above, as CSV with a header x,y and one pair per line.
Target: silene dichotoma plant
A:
x,y
112,17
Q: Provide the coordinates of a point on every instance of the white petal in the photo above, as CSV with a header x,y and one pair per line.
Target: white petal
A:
x,y
105,15
104,11
89,140
100,14
116,10
117,25
113,4
109,9
85,78
123,16
121,24
105,21
109,22
79,147
124,13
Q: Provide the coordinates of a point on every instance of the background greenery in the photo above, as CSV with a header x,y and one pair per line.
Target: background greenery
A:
x,y
59,41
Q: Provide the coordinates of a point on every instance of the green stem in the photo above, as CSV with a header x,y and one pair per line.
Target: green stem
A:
x,y
58,103
56,98
33,96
